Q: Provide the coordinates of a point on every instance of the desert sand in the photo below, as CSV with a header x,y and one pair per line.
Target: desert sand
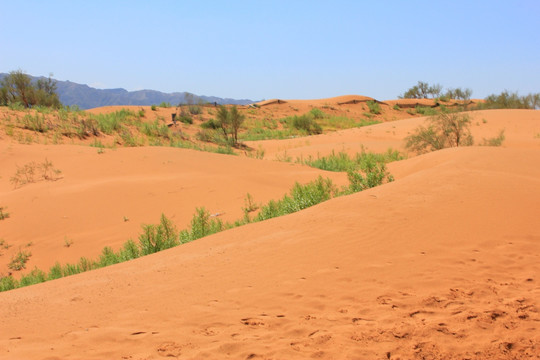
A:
x,y
442,263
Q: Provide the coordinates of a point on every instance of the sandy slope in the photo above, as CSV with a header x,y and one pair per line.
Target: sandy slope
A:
x,y
443,263
88,204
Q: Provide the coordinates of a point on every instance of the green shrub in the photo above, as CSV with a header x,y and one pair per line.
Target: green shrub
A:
x,y
3,213
496,141
210,124
8,283
153,107
107,257
186,119
158,237
195,109
35,123
507,100
202,224
374,107
343,162
129,251
317,113
373,173
19,260
444,130
165,104
307,124
300,197
55,272
36,276
426,110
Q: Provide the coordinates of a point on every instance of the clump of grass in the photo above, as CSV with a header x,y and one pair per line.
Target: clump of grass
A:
x,y
165,104
495,141
342,162
306,123
374,107
32,172
317,113
3,213
19,260
153,107
300,197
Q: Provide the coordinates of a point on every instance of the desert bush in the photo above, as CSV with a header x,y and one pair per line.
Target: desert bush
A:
x,y
55,272
507,100
306,123
19,260
373,173
33,172
36,276
300,197
3,213
317,113
129,251
35,123
195,109
202,224
374,107
343,162
158,237
8,283
165,104
210,124
444,130
153,107
495,141
426,111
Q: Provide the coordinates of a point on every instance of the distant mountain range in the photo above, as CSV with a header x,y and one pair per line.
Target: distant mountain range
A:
x,y
86,97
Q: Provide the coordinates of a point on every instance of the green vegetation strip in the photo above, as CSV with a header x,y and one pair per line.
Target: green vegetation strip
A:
x,y
155,238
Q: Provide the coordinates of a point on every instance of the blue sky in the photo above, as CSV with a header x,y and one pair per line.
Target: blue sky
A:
x,y
295,49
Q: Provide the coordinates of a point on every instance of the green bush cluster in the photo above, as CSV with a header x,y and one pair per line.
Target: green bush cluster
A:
x,y
342,162
17,88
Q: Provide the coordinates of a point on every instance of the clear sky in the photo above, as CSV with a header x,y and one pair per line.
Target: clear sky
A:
x,y
294,49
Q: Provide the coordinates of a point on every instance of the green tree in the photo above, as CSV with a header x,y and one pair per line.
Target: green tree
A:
x,y
230,121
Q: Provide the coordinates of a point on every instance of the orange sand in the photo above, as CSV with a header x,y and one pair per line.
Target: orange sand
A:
x,y
443,263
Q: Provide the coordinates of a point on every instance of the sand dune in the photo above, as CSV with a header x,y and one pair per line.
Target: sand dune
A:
x,y
103,199
442,263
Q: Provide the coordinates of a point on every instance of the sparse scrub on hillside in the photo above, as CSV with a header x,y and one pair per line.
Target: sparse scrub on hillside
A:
x,y
443,131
